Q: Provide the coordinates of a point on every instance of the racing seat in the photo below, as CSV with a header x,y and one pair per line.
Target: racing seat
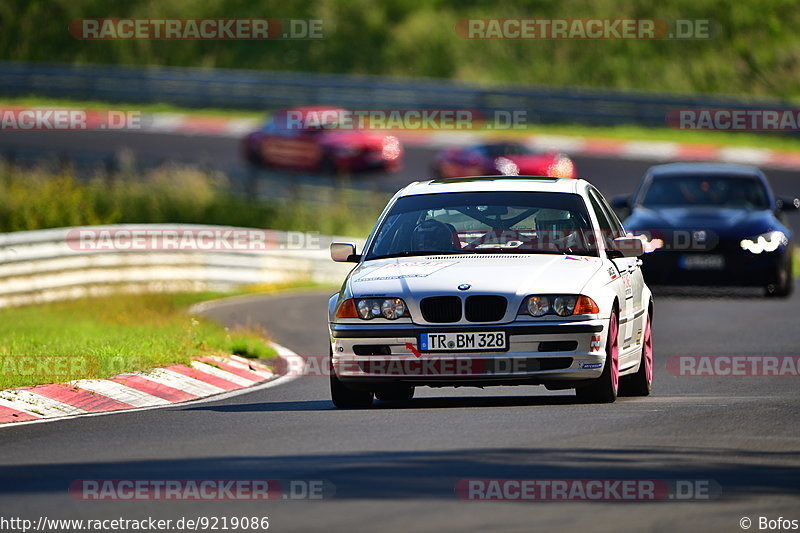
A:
x,y
559,233
434,236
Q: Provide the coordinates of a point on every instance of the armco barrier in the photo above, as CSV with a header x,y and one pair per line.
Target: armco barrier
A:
x,y
45,265
264,90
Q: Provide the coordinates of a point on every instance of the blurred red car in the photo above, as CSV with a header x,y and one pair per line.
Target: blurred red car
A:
x,y
315,139
501,158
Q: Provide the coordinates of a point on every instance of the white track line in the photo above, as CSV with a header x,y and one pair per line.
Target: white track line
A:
x,y
283,352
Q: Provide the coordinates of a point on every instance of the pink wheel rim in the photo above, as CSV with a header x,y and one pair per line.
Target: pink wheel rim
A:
x,y
648,352
613,351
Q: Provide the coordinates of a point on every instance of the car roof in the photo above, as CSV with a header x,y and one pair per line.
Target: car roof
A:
x,y
495,184
674,169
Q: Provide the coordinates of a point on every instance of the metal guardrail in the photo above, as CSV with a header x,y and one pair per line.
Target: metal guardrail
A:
x,y
252,89
46,265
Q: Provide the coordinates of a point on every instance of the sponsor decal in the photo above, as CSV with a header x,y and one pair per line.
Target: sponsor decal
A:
x,y
595,343
587,366
626,279
409,269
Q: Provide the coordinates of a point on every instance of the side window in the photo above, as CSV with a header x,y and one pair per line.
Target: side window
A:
x,y
616,225
602,219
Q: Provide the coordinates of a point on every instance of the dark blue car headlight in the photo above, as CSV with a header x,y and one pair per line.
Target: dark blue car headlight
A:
x,y
766,242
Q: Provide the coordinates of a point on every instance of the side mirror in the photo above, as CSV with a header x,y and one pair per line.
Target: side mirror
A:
x,y
621,201
626,247
344,252
787,203
621,204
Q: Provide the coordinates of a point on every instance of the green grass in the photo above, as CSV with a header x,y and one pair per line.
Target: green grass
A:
x,y
104,336
40,198
638,133
754,53
796,262
101,105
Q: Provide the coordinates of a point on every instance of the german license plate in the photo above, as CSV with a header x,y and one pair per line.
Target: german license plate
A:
x,y
702,262
472,341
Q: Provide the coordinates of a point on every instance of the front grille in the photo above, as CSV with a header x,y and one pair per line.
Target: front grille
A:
x,y
485,308
441,309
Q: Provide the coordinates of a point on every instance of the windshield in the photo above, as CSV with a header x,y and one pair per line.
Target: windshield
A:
x,y
505,149
710,191
484,222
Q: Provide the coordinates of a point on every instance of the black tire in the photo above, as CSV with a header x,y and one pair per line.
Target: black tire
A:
x,y
253,159
395,394
329,166
641,383
344,397
605,388
785,285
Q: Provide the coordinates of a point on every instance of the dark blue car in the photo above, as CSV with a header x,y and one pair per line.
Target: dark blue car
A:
x,y
712,224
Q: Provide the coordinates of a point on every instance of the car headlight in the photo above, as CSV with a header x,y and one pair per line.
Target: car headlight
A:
x,y
766,242
564,305
393,308
369,308
558,304
538,305
391,148
506,166
563,167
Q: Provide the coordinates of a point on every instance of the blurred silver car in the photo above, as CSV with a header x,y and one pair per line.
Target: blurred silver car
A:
x,y
492,281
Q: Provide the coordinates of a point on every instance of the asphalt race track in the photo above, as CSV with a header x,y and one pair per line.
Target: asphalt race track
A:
x,y
394,468
612,176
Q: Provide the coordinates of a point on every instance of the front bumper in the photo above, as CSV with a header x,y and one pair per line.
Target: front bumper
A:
x,y
741,268
542,353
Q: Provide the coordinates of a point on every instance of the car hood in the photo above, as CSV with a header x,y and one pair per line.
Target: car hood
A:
x,y
509,275
724,222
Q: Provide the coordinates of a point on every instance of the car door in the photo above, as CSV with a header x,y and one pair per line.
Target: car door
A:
x,y
620,273
293,148
633,280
